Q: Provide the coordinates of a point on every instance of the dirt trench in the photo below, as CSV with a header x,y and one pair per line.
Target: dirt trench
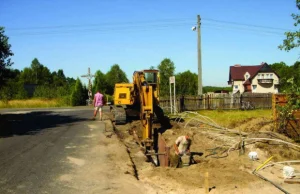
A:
x,y
228,171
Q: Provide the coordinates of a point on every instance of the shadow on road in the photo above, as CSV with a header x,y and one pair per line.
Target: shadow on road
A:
x,y
31,123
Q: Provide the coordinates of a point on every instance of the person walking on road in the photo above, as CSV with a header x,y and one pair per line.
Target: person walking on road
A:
x,y
98,103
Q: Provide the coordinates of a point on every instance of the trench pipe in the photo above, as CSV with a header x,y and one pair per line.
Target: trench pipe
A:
x,y
264,178
277,186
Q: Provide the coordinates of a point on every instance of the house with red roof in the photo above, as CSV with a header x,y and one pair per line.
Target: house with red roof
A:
x,y
254,79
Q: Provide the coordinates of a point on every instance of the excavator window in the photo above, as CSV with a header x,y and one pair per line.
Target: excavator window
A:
x,y
151,77
122,95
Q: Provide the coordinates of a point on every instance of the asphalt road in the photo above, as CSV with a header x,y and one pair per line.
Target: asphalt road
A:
x,y
40,149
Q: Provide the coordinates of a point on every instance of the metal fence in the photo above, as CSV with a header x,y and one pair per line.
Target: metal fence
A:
x,y
219,101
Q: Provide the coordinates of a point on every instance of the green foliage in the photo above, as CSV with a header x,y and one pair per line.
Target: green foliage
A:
x,y
207,89
27,76
166,69
78,96
37,74
292,38
100,82
58,78
49,92
293,104
286,72
5,54
70,81
113,76
186,83
13,90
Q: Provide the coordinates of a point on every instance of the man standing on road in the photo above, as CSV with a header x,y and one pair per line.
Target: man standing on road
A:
x,y
182,147
98,103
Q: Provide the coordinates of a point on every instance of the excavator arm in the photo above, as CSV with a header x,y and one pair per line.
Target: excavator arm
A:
x,y
141,98
145,93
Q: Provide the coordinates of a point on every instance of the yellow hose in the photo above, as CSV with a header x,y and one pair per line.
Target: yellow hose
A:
x,y
259,167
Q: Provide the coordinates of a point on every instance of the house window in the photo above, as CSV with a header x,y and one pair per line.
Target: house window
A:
x,y
262,76
247,76
267,76
254,87
271,76
236,87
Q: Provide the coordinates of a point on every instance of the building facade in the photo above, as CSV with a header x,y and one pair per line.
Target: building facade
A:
x,y
253,79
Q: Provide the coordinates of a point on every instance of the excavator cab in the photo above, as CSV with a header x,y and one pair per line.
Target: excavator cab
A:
x,y
151,76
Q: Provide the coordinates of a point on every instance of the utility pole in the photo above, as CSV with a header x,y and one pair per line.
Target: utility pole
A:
x,y
199,56
89,76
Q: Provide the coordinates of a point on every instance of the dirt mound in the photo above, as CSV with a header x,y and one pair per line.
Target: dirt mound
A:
x,y
255,124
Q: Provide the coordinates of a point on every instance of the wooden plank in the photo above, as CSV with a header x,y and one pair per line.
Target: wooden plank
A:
x,y
206,183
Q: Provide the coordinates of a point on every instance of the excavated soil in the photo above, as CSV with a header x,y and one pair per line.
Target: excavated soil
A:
x,y
229,169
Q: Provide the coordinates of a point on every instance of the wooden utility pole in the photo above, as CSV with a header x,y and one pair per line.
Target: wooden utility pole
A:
x,y
199,56
89,76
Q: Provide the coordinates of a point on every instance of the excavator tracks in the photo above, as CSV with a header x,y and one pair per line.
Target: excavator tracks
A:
x,y
119,114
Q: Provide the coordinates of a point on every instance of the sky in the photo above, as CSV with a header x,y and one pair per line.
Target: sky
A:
x,y
136,34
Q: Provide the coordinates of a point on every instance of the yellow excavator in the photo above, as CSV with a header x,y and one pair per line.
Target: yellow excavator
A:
x,y
140,98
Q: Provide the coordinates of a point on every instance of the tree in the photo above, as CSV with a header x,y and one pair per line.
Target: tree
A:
x,y
42,74
100,82
58,78
186,83
113,76
45,77
5,54
166,70
35,67
296,70
77,96
70,81
292,38
27,76
285,72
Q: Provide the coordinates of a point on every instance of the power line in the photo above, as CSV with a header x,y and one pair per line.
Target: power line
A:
x,y
259,31
146,22
242,24
137,30
101,24
138,26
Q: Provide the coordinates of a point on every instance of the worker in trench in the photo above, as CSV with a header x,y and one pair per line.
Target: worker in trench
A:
x,y
182,150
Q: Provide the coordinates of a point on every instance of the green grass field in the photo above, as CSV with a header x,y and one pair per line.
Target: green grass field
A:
x,y
33,103
227,118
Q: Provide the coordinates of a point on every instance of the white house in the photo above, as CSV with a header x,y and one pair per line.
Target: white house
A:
x,y
254,79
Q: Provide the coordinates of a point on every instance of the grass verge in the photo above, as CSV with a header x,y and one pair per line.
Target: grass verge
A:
x,y
228,118
33,103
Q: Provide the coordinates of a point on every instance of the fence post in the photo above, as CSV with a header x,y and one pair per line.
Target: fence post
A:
x,y
208,102
241,100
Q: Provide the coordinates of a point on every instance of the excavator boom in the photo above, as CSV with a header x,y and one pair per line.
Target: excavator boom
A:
x,y
142,95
